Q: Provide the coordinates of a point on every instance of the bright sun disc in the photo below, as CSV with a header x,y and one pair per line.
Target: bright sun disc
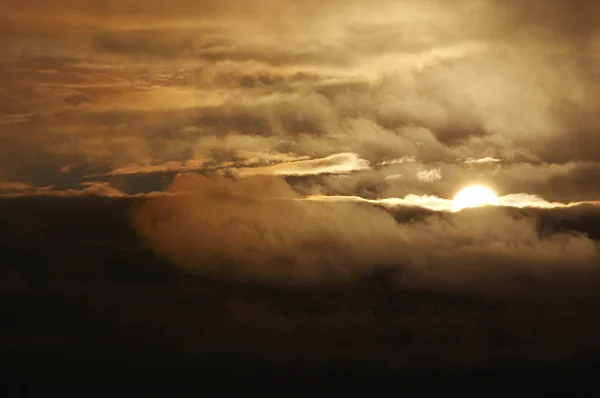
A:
x,y
474,196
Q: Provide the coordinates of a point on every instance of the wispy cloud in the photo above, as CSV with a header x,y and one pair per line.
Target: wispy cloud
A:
x,y
334,164
482,160
94,188
428,202
14,186
429,175
435,203
402,160
174,166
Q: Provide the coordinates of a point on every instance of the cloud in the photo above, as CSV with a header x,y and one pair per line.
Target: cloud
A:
x,y
92,188
361,266
429,175
97,188
16,189
401,160
14,186
525,200
346,128
258,228
410,87
427,202
175,166
434,203
482,160
334,164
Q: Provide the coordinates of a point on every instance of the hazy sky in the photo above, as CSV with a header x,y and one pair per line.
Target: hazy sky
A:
x,y
400,97
383,102
282,140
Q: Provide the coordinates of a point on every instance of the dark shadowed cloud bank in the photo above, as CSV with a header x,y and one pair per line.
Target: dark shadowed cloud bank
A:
x,y
224,270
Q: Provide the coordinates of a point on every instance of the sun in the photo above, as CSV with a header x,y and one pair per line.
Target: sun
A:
x,y
474,196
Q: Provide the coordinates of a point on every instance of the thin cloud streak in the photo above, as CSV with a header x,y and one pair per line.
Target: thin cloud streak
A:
x,y
482,160
312,167
521,200
340,163
92,188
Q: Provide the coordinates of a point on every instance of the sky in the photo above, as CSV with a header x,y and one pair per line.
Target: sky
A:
x,y
310,146
287,103
372,99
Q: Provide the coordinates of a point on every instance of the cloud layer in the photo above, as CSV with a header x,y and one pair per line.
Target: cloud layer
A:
x,y
258,228
282,171
502,93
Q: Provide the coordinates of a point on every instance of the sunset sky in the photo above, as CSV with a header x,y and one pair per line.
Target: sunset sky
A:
x,y
377,99
393,103
302,142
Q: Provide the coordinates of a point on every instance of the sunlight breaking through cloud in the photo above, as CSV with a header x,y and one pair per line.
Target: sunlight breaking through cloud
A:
x,y
521,200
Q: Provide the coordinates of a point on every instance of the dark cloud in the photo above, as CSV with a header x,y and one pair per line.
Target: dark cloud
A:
x,y
278,279
257,229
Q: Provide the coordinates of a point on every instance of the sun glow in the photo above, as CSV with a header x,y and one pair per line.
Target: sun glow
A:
x,y
474,196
